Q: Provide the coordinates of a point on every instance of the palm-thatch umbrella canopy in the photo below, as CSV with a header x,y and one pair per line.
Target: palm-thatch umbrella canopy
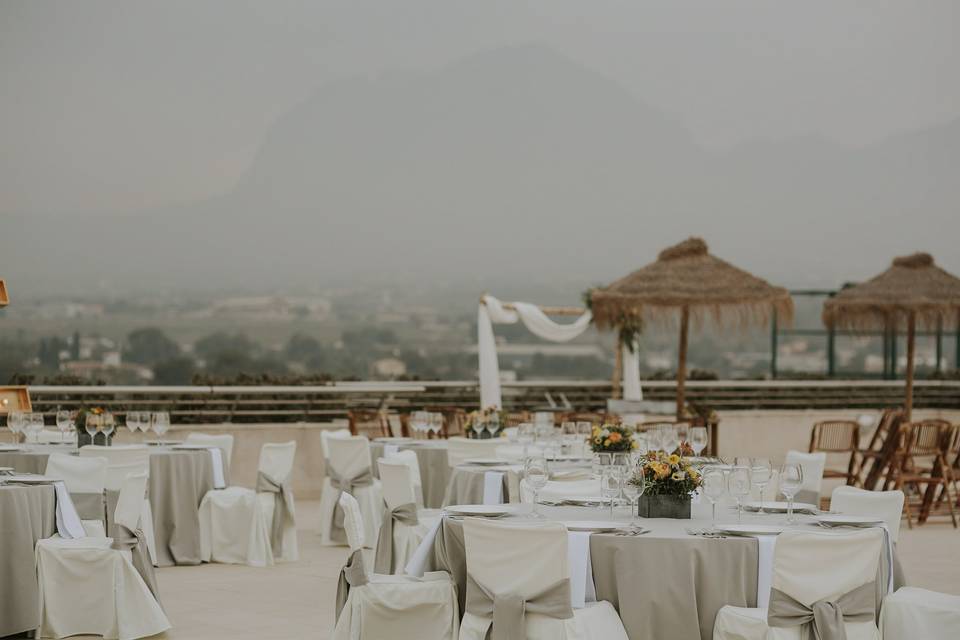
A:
x,y
687,280
912,289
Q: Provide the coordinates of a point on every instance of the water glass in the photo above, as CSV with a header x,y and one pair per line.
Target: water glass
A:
x,y
760,473
64,422
584,433
633,487
699,439
161,424
525,435
536,473
669,440
738,483
713,486
611,483
791,481
15,422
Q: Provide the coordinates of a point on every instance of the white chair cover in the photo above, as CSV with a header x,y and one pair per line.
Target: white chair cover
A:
x,y
524,560
460,449
325,436
350,457
809,567
122,461
812,465
223,441
86,587
399,490
83,477
882,504
912,614
409,458
236,522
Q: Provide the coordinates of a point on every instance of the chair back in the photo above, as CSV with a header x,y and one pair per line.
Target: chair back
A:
x,y
352,521
810,566
395,425
349,457
495,550
325,436
222,441
397,483
888,420
408,458
372,424
130,501
929,437
454,420
835,436
459,450
80,475
122,461
860,502
276,459
812,465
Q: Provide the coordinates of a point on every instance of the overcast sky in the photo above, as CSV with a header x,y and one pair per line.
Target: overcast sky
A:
x,y
123,107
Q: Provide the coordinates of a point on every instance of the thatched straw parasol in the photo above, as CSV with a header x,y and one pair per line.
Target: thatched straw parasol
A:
x,y
912,289
687,280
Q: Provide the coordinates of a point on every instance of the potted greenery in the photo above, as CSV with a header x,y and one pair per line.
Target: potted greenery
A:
x,y
669,482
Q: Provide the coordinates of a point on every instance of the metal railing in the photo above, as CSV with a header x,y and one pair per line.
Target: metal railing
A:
x,y
271,404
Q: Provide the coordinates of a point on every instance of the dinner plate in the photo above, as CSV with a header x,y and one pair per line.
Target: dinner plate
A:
x,y
779,507
486,462
750,529
584,500
480,510
848,520
393,439
29,478
595,526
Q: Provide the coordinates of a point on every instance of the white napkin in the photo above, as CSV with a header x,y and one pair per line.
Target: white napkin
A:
x,y
582,588
418,561
493,487
765,547
217,456
68,522
390,450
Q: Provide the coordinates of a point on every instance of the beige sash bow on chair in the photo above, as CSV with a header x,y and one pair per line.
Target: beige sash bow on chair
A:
x,y
353,574
509,610
90,506
282,511
825,618
406,514
364,479
136,543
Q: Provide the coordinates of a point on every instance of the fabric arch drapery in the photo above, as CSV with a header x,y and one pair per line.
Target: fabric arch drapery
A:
x,y
492,311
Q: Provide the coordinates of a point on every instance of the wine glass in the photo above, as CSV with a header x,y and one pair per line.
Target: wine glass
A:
x,y
611,481
146,421
90,426
64,422
791,480
633,488
683,432
15,423
569,437
536,473
35,426
109,424
760,473
738,483
669,438
714,484
584,433
525,435
436,423
699,439
161,424
133,422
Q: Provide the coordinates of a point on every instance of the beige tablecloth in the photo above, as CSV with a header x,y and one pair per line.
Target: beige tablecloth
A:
x,y
179,478
27,514
434,469
467,482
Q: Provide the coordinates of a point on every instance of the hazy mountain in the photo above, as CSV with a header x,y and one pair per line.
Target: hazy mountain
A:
x,y
516,163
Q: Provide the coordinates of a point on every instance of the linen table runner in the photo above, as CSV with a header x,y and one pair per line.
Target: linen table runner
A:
x,y
509,610
493,487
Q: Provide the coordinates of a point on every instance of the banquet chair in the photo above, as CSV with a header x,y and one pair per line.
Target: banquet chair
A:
x,y
389,606
923,461
410,459
325,437
528,562
372,424
860,502
459,450
85,479
912,614
95,585
836,437
404,525
253,527
812,465
349,470
123,460
222,441
812,569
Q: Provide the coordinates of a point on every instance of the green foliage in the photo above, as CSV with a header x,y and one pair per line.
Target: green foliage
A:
x,y
222,342
175,371
149,346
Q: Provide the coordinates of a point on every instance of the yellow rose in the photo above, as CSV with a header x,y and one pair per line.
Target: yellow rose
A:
x,y
606,442
674,459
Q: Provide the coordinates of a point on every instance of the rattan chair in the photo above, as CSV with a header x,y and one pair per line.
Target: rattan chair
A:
x,y
369,423
927,441
838,436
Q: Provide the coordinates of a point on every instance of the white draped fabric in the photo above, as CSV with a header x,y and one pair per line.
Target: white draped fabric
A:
x,y
492,311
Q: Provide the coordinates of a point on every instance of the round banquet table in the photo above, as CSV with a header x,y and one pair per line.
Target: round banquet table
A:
x,y
434,468
27,514
179,478
664,584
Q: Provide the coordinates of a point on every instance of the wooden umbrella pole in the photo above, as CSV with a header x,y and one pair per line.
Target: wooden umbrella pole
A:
x,y
617,367
911,338
682,361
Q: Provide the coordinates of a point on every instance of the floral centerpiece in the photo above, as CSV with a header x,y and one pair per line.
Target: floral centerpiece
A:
x,y
486,423
99,419
612,438
668,481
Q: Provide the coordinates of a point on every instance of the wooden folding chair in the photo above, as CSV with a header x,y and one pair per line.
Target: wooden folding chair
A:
x,y
876,459
927,440
838,436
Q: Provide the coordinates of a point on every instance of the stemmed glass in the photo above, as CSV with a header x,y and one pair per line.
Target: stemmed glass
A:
x,y
109,424
683,432
15,422
714,484
633,487
90,426
35,425
611,482
791,480
436,423
584,432
161,423
536,473
146,422
569,437
669,439
64,422
699,439
133,422
738,483
760,474
525,435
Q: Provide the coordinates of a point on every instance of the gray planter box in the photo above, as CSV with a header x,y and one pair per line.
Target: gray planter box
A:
x,y
664,507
